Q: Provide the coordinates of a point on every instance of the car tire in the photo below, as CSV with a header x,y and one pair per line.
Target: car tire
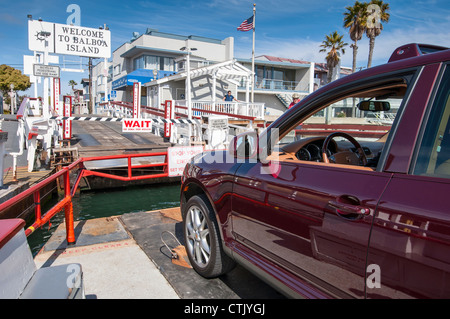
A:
x,y
202,239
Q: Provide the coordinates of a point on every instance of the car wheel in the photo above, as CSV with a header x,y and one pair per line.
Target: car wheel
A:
x,y
202,237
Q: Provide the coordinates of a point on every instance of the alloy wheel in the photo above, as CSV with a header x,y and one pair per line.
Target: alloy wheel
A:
x,y
197,233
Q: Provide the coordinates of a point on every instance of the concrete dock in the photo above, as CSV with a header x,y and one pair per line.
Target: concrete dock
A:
x,y
124,257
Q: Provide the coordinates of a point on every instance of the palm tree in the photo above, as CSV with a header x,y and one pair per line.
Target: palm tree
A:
x,y
355,20
72,83
377,14
333,42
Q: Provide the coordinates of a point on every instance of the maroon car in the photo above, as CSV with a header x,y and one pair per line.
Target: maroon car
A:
x,y
343,196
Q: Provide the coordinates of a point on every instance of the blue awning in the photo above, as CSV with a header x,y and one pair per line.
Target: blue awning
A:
x,y
139,75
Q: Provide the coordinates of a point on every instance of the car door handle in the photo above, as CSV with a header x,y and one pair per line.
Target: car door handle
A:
x,y
343,207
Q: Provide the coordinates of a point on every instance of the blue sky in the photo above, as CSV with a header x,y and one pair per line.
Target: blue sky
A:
x,y
284,28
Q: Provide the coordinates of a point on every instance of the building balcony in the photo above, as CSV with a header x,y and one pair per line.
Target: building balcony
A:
x,y
277,85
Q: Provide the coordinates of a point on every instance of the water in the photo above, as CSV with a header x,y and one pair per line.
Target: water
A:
x,y
90,205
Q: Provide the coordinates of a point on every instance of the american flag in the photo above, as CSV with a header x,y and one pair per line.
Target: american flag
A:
x,y
247,25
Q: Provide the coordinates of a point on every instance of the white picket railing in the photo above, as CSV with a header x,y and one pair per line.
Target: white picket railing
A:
x,y
239,108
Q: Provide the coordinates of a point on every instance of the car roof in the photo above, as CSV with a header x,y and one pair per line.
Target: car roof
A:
x,y
414,50
406,62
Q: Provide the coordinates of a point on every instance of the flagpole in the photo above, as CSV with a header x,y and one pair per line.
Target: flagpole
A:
x,y
253,52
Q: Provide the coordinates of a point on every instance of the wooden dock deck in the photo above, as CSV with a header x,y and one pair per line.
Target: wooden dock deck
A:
x,y
23,176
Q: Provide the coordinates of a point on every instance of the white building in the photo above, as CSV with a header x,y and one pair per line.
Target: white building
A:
x,y
101,82
157,53
158,61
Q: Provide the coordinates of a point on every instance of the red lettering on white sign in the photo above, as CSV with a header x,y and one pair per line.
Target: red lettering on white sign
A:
x,y
67,124
136,100
167,115
136,125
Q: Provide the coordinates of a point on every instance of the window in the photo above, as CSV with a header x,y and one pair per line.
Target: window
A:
x,y
167,64
139,63
151,62
110,73
434,154
117,69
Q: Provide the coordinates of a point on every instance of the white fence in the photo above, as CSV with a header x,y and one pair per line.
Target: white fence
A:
x,y
228,108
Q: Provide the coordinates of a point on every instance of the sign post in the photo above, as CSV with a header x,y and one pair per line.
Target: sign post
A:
x,y
136,100
67,124
167,115
56,94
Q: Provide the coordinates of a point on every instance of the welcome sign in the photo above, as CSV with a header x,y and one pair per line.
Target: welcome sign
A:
x,y
73,40
68,39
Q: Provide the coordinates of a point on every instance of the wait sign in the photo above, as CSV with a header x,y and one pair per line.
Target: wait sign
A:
x,y
136,125
179,156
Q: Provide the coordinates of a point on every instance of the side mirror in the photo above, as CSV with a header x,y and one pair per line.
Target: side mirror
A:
x,y
244,145
374,106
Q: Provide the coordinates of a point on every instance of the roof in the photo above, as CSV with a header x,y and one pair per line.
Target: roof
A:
x,y
228,70
157,33
318,67
138,49
285,60
322,67
277,62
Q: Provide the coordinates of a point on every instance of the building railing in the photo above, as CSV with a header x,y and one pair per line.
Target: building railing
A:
x,y
241,109
276,85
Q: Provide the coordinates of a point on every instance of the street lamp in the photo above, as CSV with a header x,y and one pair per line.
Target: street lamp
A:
x,y
188,83
188,77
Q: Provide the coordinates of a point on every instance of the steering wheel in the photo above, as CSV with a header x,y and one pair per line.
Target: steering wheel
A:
x,y
345,157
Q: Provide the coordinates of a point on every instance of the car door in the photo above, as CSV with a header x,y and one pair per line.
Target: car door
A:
x,y
291,219
312,219
410,241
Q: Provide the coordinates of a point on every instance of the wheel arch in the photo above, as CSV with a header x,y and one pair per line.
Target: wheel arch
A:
x,y
192,187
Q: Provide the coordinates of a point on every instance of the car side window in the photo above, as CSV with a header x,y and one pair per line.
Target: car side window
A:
x,y
434,153
366,115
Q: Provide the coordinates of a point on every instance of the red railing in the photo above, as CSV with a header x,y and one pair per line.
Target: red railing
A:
x,y
69,191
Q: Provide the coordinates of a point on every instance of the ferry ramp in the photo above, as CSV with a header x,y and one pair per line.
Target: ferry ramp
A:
x,y
96,138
